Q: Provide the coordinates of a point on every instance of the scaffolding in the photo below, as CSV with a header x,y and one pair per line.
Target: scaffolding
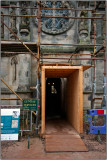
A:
x,y
40,57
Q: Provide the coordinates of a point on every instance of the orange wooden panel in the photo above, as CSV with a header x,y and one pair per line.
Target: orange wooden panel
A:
x,y
43,102
73,100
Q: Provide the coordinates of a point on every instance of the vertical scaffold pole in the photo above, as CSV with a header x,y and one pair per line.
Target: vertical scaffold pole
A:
x,y
94,83
103,105
38,66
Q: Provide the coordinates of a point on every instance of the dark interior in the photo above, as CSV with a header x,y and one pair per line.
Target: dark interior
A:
x,y
53,98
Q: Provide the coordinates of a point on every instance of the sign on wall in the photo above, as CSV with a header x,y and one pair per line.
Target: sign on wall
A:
x,y
10,124
30,104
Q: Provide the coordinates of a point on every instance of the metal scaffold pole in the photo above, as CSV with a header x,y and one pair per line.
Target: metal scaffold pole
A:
x,y
103,105
38,67
94,83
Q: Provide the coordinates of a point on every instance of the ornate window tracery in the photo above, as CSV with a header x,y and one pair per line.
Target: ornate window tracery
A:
x,y
56,25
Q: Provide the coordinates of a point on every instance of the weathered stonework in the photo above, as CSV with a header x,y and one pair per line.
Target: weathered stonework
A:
x,y
19,71
13,23
2,27
20,79
24,25
99,76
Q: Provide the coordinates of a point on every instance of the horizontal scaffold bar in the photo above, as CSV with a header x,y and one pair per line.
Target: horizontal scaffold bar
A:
x,y
53,16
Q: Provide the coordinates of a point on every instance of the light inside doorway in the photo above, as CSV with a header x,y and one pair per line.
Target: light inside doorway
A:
x,y
53,98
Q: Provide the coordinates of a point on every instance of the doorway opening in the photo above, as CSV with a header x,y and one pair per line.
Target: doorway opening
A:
x,y
53,98
71,103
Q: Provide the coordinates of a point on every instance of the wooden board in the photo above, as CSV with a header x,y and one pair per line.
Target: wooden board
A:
x,y
74,100
58,73
85,67
61,143
55,64
61,136
81,99
43,102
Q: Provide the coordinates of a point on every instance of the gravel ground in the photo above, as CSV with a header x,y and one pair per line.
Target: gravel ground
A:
x,y
19,149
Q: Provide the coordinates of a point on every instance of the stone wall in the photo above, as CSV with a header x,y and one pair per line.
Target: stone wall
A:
x,y
16,71
20,71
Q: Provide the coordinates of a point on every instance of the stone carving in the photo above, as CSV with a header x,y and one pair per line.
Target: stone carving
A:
x,y
2,27
24,26
92,29
83,4
83,26
56,25
99,31
14,61
13,3
5,3
13,24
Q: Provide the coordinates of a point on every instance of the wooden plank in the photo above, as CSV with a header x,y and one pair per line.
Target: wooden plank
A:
x,y
64,142
58,73
60,70
85,67
43,102
81,98
56,64
62,137
57,142
67,149
61,67
60,143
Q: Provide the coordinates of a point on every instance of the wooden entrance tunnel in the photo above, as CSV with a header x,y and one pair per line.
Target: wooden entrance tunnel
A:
x,y
74,75
74,107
